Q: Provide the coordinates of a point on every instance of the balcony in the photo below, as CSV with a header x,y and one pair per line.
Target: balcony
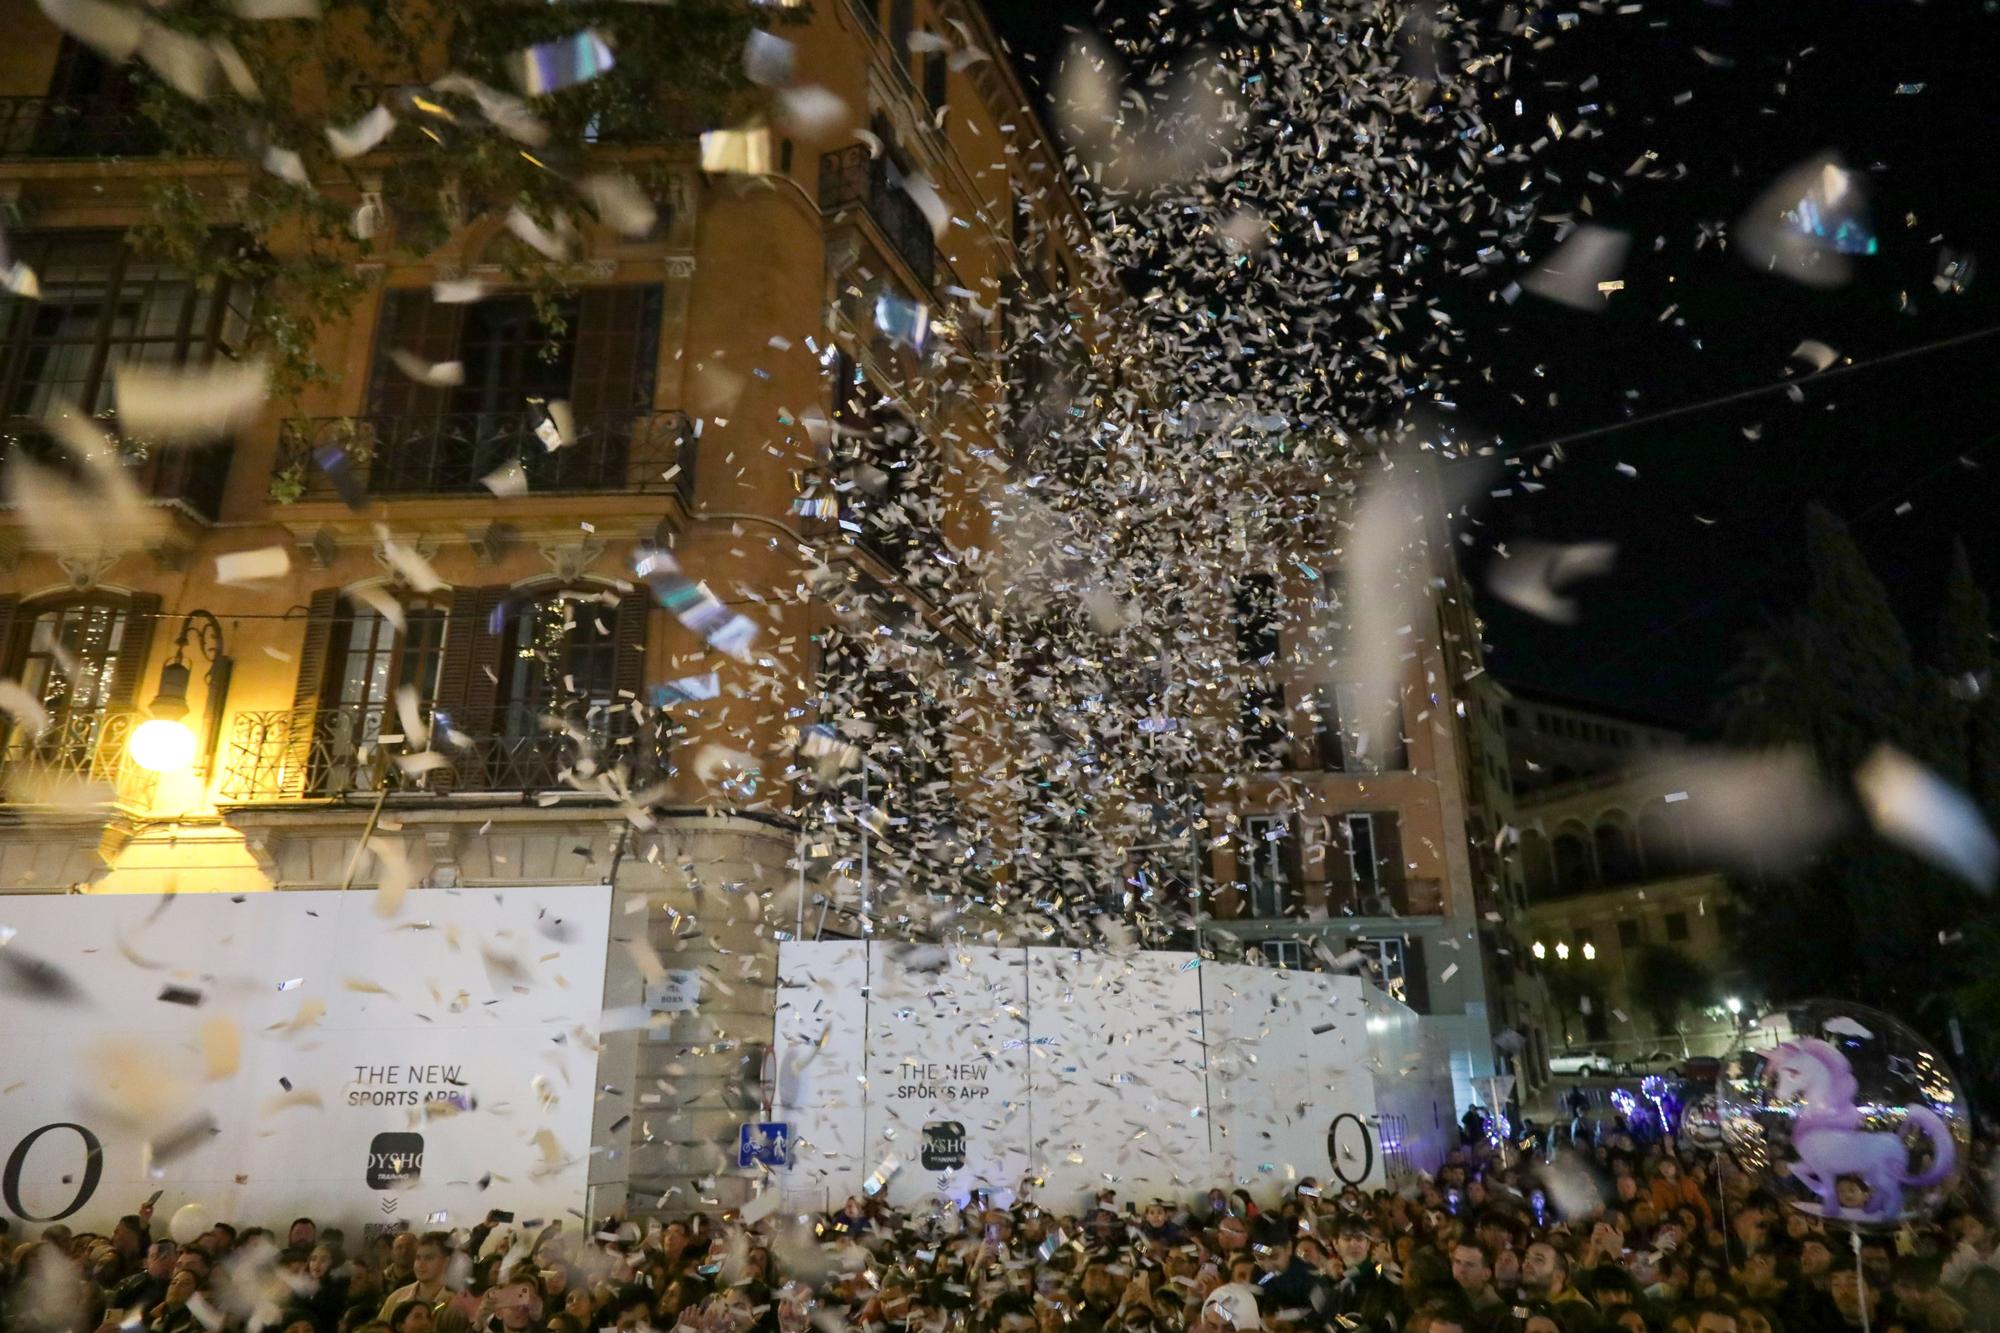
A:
x,y
188,479
327,753
851,179
55,128
80,759
384,455
1290,900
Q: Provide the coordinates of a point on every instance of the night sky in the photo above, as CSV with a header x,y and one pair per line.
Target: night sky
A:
x,y
1769,87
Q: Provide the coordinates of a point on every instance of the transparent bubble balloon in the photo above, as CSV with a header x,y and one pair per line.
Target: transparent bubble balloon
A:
x,y
1846,1114
190,1220
1701,1126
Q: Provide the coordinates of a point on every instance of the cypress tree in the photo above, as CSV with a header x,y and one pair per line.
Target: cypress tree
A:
x,y
1965,661
1864,917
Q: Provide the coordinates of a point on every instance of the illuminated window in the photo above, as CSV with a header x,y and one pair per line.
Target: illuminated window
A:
x,y
561,661
373,662
69,663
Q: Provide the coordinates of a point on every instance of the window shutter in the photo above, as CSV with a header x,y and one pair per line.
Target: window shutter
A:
x,y
1388,852
323,618
412,322
322,613
1416,976
1291,864
1339,870
616,360
629,665
142,614
468,682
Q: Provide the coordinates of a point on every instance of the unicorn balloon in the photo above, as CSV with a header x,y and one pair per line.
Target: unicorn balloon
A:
x,y
1855,1172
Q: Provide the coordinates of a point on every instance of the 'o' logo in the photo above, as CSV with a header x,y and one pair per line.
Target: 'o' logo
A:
x,y
1363,1153
93,1171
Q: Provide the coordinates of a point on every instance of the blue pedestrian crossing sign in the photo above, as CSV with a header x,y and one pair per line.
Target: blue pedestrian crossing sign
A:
x,y
764,1143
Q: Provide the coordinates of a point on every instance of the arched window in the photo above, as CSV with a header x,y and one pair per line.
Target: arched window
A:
x,y
1617,852
1576,870
1536,867
80,659
561,660
374,661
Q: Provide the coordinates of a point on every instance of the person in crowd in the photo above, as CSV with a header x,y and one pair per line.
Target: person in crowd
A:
x,y
1545,1274
399,1268
148,1287
411,1316
174,1313
427,1267
1472,1270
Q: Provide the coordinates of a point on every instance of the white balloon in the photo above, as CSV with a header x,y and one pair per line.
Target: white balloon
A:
x,y
189,1222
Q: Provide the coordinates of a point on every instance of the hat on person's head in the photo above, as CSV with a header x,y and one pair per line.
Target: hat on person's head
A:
x,y
1235,1304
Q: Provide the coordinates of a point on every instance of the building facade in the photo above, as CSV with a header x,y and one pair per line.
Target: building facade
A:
x,y
1628,926
1356,833
424,644
422,632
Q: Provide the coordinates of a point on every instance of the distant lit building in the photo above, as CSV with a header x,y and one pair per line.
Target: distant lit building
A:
x,y
1552,742
1613,885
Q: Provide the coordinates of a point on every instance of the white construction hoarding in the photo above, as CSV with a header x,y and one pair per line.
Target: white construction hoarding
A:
x,y
931,1072
274,1055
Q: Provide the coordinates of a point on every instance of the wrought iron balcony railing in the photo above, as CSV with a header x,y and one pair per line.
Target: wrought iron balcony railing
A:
x,y
1291,899
382,454
54,127
77,760
306,753
190,478
851,179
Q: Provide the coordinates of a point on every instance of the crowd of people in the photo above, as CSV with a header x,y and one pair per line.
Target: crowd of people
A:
x,y
1494,1241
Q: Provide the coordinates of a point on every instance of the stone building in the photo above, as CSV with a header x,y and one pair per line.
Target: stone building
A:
x,y
1614,886
715,370
1359,831
415,642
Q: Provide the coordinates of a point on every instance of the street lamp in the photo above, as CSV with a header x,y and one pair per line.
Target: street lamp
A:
x,y
164,743
1733,1005
1589,951
1562,950
1541,949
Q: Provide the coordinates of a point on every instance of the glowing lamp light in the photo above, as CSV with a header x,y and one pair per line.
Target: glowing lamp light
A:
x,y
163,745
1562,950
1733,1005
1590,951
1541,949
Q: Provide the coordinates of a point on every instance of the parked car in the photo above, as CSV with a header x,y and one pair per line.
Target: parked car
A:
x,y
1659,1062
1577,1063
